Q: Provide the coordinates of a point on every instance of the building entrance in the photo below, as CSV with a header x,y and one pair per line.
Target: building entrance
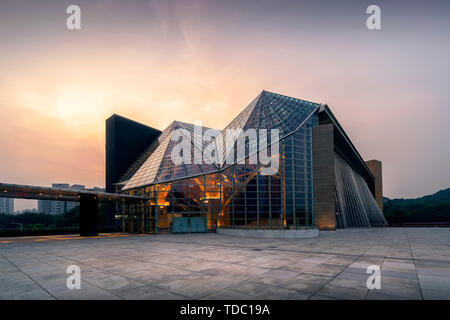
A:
x,y
189,225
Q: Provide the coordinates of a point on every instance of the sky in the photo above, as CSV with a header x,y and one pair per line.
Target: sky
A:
x,y
158,61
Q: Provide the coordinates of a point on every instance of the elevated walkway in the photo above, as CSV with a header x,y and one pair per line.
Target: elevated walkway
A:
x,y
88,199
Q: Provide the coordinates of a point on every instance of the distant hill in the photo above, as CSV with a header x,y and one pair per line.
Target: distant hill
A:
x,y
433,208
443,195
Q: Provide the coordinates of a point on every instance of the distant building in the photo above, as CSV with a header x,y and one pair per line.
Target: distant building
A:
x,y
59,207
53,207
45,206
97,189
70,204
6,205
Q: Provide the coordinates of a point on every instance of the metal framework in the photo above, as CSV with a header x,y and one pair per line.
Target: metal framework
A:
x,y
124,204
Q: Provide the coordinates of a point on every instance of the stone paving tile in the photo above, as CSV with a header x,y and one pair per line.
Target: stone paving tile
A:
x,y
26,292
196,266
405,292
360,266
272,293
429,294
226,294
399,281
341,261
298,267
415,264
249,289
237,272
114,283
258,291
10,289
348,274
359,284
148,293
398,266
366,260
343,293
215,281
399,274
315,259
154,276
189,288
377,295
7,267
306,283
87,292
433,282
325,270
275,277
362,269
436,268
320,297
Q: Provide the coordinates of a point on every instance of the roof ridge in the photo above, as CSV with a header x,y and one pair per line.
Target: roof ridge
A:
x,y
270,93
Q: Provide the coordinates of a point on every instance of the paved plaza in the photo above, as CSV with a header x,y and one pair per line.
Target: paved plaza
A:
x,y
415,264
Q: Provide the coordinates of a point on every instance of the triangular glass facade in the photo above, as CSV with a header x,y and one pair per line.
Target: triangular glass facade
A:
x,y
267,111
238,194
270,111
158,167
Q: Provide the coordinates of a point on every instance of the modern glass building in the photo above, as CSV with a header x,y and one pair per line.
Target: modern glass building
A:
x,y
320,181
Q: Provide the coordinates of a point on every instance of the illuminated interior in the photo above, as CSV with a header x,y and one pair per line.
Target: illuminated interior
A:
x,y
238,194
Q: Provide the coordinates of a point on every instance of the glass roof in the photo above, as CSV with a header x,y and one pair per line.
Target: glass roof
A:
x,y
267,111
158,167
271,111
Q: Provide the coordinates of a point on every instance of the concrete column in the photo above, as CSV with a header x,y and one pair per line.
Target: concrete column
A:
x,y
131,223
323,172
156,210
142,224
88,215
376,169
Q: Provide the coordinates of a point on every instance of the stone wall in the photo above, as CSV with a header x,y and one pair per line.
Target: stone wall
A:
x,y
376,168
323,166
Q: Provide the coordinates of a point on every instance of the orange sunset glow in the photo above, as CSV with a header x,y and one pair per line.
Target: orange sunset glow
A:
x,y
159,61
